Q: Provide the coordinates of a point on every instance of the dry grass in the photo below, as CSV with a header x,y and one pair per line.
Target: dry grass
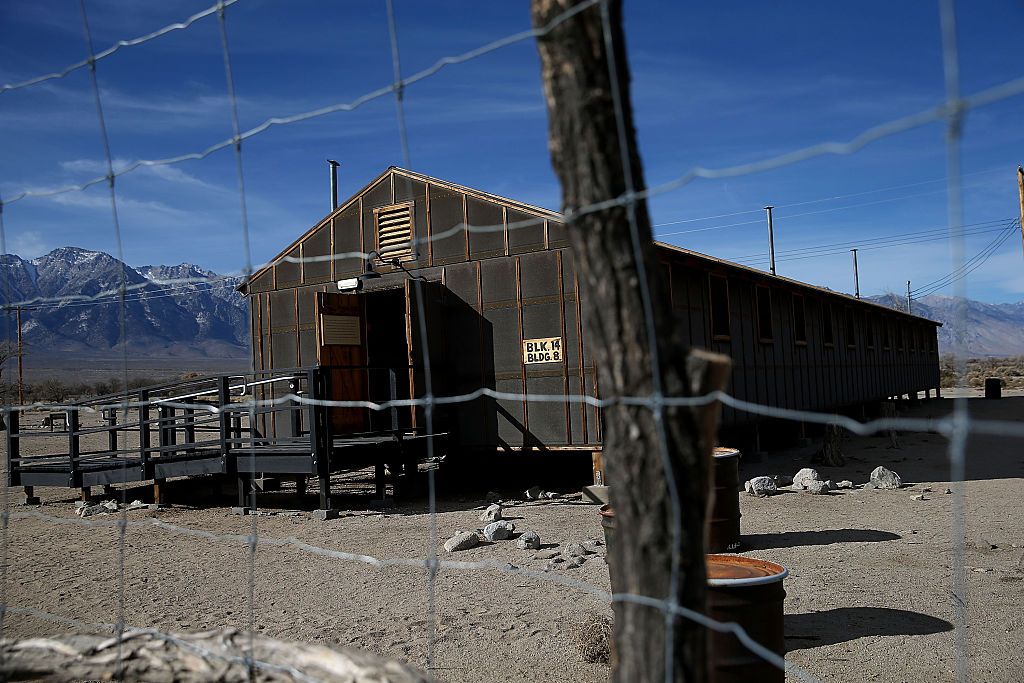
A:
x,y
593,637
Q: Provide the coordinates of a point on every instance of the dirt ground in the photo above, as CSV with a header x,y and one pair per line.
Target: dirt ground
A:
x,y
868,595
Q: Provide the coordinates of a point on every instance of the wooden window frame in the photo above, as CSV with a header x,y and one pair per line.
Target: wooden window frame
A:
x,y
850,325
800,332
759,291
711,308
828,340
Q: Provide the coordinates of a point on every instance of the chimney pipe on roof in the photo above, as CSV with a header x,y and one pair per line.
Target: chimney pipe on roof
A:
x,y
334,183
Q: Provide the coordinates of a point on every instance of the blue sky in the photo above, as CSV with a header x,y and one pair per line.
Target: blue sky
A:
x,y
715,84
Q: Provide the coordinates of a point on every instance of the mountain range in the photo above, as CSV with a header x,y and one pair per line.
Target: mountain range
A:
x,y
991,330
71,309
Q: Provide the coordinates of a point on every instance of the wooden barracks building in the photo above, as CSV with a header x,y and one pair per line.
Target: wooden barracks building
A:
x,y
500,307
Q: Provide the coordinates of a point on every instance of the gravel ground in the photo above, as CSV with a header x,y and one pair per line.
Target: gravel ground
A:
x,y
868,596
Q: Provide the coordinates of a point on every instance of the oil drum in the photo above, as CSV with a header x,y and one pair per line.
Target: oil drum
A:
x,y
724,519
749,592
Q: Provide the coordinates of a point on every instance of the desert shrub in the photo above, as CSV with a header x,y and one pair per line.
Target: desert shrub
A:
x,y
593,638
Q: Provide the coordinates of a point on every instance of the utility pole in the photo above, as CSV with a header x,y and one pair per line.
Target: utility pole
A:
x,y
21,366
1020,192
856,275
771,239
910,308
334,183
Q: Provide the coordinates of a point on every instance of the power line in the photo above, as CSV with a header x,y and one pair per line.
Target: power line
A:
x,y
1003,222
967,267
824,199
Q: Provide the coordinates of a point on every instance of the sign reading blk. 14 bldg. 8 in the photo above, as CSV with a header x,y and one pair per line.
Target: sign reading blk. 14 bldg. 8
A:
x,y
547,350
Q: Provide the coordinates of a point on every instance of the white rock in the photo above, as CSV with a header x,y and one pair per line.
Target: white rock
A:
x,y
817,488
499,531
528,540
830,485
90,510
845,484
761,487
109,505
491,514
533,493
807,474
882,478
463,540
920,496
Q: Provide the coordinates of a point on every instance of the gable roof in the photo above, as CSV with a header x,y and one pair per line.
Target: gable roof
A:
x,y
548,214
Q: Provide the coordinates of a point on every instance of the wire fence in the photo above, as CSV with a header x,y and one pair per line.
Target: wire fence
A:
x,y
956,427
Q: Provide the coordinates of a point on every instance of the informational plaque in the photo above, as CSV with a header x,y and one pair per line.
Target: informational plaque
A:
x,y
341,329
546,350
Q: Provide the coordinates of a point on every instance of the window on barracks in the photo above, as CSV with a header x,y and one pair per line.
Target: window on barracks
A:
x,y
719,293
799,320
828,332
851,327
764,313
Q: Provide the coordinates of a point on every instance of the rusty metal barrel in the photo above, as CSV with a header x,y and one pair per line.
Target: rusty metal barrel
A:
x,y
749,592
724,520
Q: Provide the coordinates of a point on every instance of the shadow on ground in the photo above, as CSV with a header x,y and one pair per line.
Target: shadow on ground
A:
x,y
849,623
793,539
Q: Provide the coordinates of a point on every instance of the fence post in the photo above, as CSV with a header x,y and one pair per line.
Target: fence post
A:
x,y
111,415
13,446
190,425
144,438
73,448
295,407
223,401
320,433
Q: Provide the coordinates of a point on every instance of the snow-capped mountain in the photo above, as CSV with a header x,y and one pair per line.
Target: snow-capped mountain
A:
x,y
70,304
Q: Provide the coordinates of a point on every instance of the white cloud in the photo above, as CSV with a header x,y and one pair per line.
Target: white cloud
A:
x,y
28,244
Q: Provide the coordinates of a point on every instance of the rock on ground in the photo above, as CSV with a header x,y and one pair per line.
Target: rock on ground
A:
x,y
577,550
528,540
547,554
782,480
817,488
807,474
883,478
463,540
845,484
499,531
831,485
761,487
491,514
533,493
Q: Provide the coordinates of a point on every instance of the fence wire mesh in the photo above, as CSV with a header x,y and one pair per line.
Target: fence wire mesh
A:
x,y
956,427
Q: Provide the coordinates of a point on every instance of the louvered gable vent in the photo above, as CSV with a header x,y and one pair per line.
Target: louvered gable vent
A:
x,y
394,232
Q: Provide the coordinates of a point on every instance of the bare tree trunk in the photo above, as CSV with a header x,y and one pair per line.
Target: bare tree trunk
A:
x,y
587,155
212,657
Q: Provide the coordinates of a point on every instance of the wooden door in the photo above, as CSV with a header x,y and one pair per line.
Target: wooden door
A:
x,y
341,345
